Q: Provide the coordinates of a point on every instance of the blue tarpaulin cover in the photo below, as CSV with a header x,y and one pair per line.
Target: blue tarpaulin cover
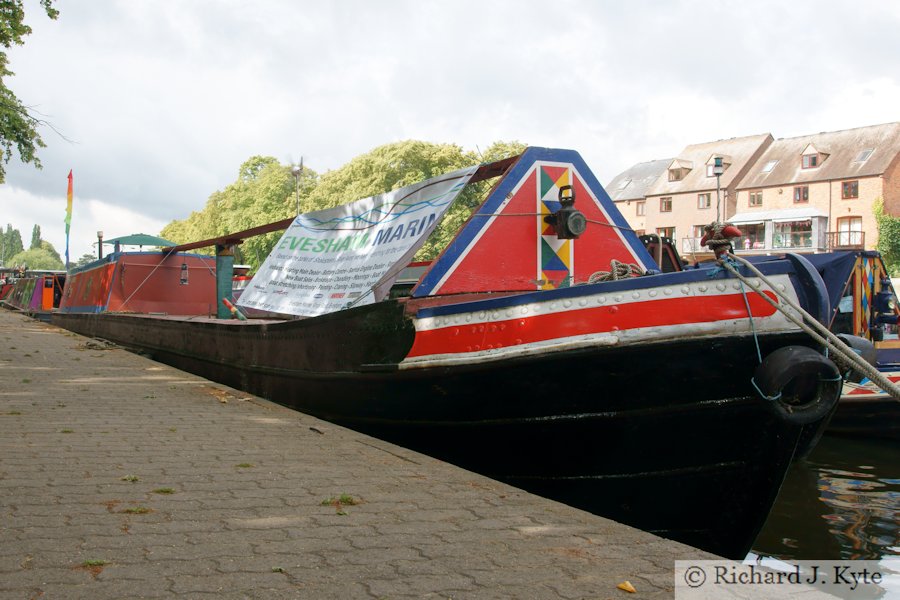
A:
x,y
835,269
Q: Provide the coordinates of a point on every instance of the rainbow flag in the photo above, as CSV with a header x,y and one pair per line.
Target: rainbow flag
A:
x,y
68,215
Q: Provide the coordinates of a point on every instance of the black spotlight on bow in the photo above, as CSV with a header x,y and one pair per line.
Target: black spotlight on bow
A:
x,y
568,221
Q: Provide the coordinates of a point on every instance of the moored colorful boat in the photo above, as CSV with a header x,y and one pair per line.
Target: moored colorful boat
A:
x,y
35,294
672,402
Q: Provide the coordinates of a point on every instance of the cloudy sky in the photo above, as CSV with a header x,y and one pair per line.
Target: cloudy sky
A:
x,y
158,102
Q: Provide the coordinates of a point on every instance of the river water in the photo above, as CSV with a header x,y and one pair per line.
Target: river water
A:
x,y
841,503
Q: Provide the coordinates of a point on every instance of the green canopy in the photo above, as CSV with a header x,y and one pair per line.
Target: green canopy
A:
x,y
140,239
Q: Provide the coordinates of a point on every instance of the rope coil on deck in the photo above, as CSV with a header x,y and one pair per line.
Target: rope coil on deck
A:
x,y
619,270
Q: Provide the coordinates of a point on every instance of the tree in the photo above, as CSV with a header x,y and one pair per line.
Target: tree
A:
x,y
888,237
468,201
49,249
11,244
251,168
264,192
85,259
38,259
400,164
18,127
35,237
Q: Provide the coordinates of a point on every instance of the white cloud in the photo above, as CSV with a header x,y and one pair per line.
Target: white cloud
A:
x,y
165,100
23,210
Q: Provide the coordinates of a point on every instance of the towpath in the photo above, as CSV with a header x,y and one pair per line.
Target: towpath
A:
x,y
124,478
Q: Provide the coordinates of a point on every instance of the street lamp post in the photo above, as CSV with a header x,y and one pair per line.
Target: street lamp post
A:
x,y
718,169
297,171
99,244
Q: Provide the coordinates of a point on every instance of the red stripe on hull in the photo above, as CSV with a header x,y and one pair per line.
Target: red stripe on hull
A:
x,y
604,319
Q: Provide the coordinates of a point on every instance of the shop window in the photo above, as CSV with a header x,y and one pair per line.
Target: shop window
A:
x,y
753,236
793,234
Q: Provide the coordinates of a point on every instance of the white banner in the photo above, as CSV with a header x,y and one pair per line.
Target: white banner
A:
x,y
331,259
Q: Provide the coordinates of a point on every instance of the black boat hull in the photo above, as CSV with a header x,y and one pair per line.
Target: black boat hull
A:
x,y
648,435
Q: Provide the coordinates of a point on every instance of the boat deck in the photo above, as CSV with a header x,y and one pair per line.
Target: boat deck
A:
x,y
121,476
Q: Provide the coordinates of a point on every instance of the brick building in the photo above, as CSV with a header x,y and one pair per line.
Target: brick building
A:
x,y
812,193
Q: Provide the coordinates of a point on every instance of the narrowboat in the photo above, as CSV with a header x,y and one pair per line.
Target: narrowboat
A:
x,y
543,347
35,293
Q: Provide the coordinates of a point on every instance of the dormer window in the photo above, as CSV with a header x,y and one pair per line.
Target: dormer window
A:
x,y
812,157
678,169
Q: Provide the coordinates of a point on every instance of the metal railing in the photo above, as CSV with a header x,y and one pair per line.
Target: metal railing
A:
x,y
846,239
692,244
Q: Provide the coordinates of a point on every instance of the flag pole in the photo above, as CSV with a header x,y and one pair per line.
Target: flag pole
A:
x,y
68,216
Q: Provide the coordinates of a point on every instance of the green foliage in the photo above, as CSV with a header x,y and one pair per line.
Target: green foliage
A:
x,y
48,247
85,259
10,243
467,202
252,167
266,191
263,193
888,237
18,128
38,259
396,165
40,255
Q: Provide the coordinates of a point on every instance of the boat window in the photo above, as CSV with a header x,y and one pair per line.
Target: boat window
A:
x,y
845,304
843,319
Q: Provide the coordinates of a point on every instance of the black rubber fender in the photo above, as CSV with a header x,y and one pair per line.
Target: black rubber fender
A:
x,y
799,384
863,348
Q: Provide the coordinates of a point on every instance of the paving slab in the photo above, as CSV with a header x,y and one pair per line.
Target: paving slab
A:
x,y
124,478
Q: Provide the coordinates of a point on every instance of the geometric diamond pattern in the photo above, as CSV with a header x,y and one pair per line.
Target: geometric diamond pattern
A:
x,y
556,254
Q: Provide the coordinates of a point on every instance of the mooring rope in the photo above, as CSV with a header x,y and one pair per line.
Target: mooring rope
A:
x,y
812,326
717,239
141,284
